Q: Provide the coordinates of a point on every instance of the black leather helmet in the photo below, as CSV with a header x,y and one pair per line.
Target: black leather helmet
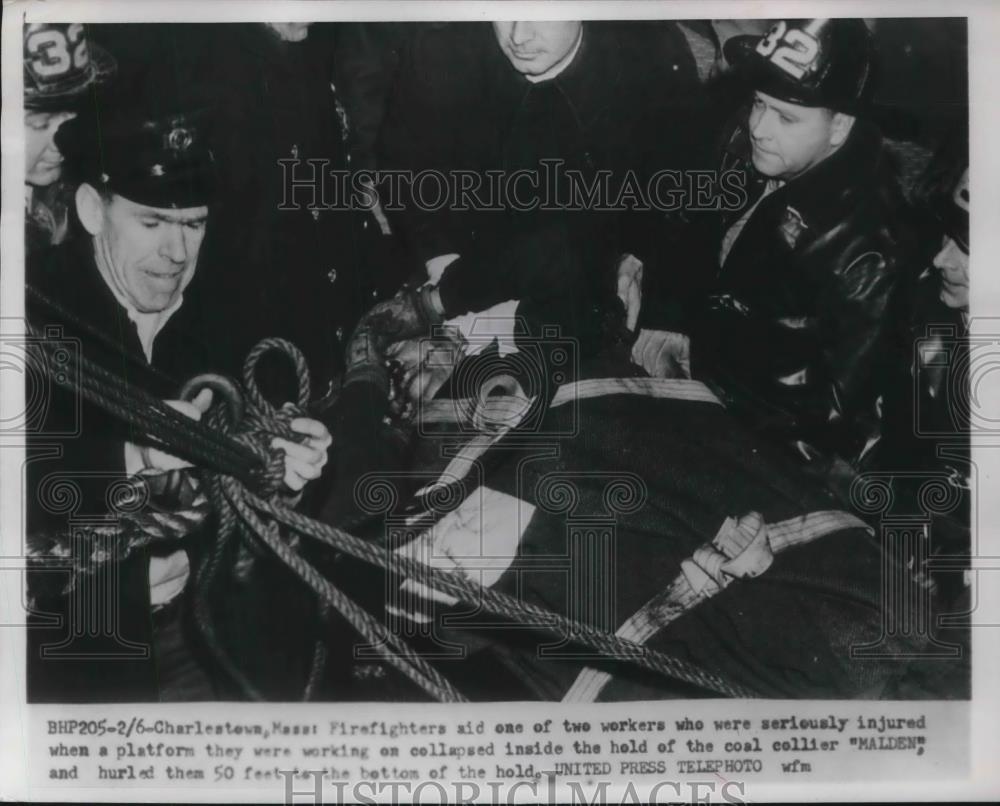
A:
x,y
818,62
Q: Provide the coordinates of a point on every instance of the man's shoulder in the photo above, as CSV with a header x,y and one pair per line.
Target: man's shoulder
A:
x,y
448,54
854,204
60,271
656,51
64,288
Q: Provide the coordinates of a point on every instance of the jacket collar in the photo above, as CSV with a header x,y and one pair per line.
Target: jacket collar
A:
x,y
589,82
823,195
561,65
86,293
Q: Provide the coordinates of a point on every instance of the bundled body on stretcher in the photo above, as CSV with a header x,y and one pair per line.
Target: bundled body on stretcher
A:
x,y
633,505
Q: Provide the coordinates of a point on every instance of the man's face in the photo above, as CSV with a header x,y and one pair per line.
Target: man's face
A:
x,y
953,264
150,253
534,47
43,161
788,139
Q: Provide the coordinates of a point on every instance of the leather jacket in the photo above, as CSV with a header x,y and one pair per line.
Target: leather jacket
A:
x,y
928,408
795,332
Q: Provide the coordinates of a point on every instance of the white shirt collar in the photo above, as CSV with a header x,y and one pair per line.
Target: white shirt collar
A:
x,y
148,325
559,66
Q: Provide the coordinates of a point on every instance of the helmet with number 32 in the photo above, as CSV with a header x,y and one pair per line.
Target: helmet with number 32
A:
x,y
818,62
60,65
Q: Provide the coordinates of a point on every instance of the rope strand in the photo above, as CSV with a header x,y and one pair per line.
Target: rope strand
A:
x,y
234,457
501,604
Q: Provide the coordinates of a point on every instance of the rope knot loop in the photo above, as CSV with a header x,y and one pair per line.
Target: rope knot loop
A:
x,y
294,354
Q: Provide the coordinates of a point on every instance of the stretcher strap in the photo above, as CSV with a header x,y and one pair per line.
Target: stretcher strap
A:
x,y
505,410
661,388
742,549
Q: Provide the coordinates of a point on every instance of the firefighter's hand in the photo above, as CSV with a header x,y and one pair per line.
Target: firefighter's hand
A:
x,y
156,460
663,354
304,461
629,287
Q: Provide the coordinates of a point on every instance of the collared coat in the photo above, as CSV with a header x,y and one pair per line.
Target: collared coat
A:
x,y
624,103
75,460
795,331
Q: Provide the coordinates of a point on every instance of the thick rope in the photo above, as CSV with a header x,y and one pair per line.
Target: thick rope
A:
x,y
148,414
383,640
498,603
205,580
261,422
114,345
241,456
321,653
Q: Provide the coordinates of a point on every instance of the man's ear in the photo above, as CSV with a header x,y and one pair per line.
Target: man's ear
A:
x,y
841,127
90,208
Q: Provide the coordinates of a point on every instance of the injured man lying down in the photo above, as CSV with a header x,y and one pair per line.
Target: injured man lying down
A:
x,y
625,538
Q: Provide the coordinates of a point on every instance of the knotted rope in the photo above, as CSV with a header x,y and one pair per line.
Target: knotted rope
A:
x,y
261,421
497,603
243,480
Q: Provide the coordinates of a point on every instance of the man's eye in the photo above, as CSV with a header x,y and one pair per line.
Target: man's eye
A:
x,y
195,226
150,223
38,125
786,119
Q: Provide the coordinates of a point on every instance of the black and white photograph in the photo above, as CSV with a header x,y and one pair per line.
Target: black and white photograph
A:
x,y
528,365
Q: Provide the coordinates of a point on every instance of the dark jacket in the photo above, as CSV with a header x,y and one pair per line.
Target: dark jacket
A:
x,y
794,333
47,217
928,407
78,446
366,59
282,268
460,105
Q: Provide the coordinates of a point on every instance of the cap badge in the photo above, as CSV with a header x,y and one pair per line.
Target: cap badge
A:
x,y
179,139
